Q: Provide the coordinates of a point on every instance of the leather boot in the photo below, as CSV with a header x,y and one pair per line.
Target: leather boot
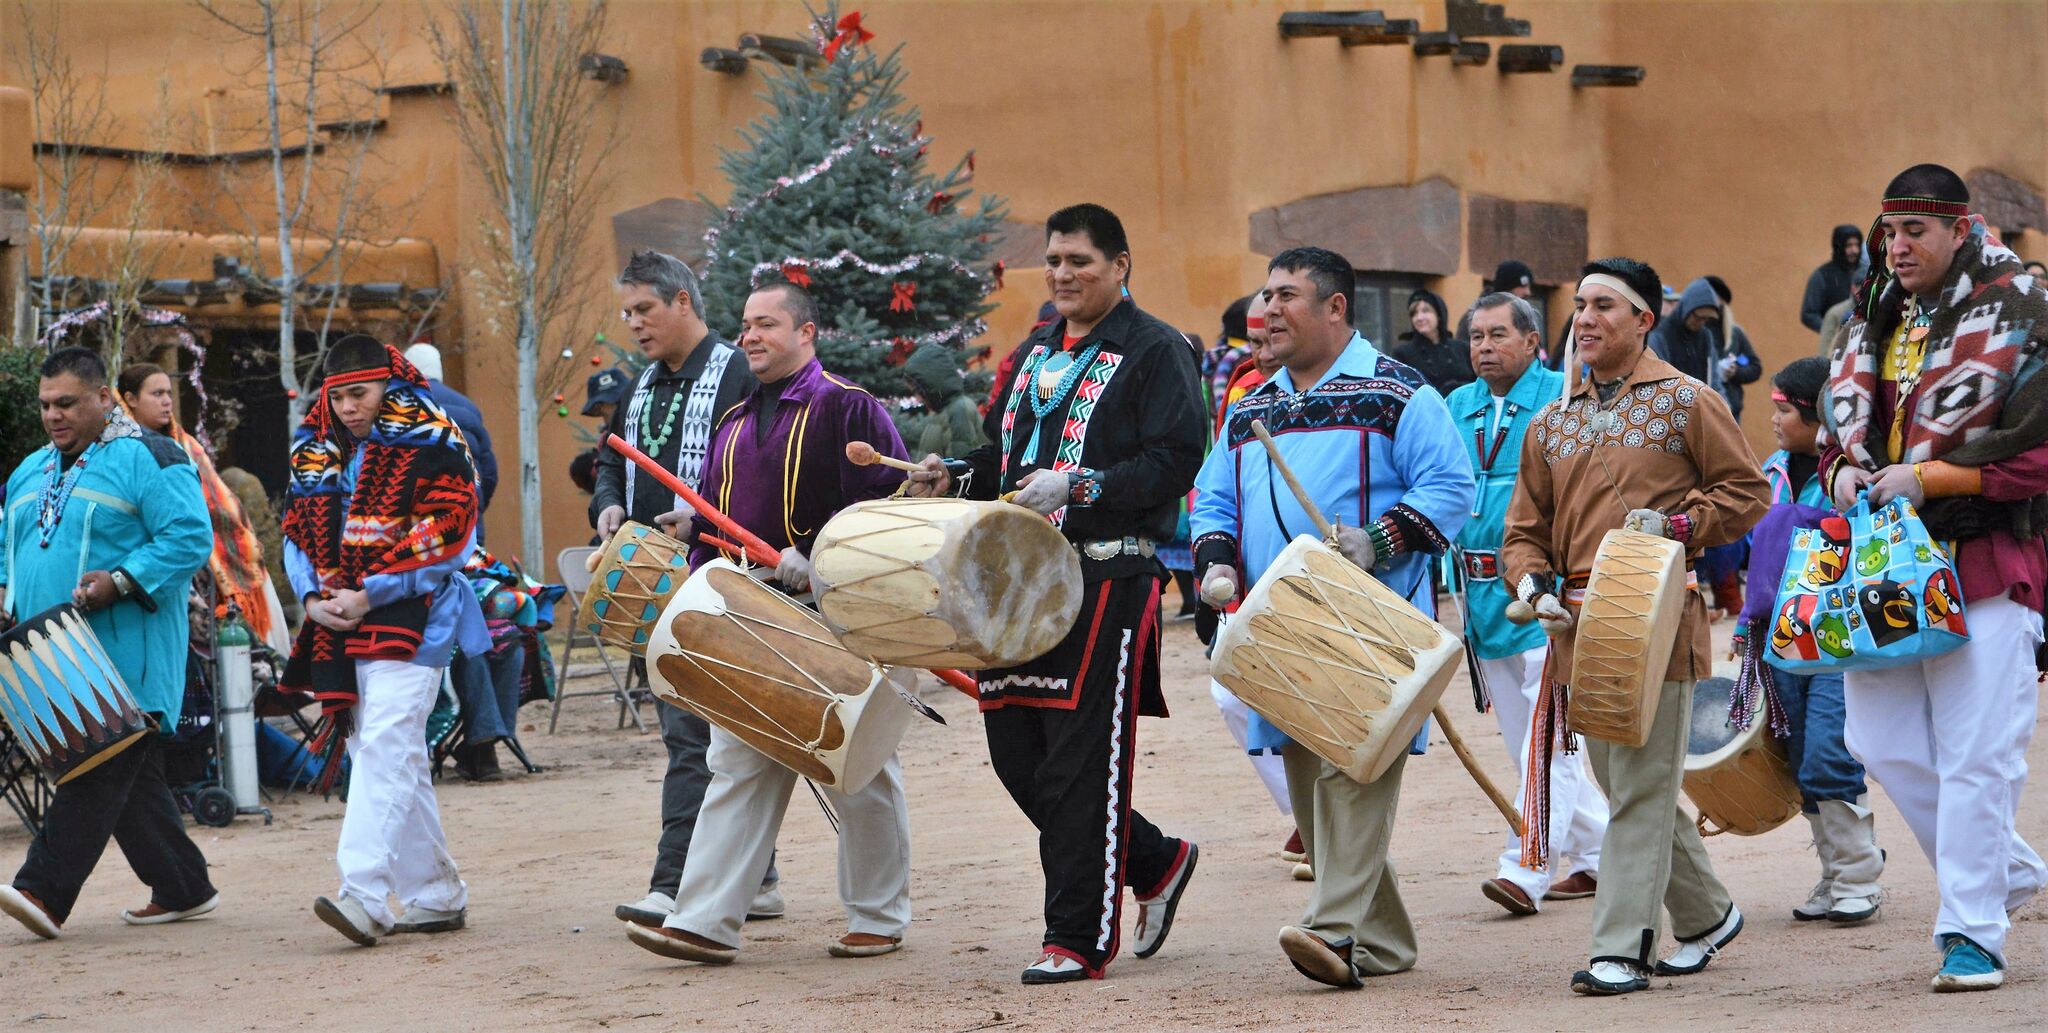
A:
x,y
1822,899
1858,862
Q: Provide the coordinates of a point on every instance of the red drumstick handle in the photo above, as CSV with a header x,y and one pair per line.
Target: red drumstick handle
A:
x,y
724,546
757,550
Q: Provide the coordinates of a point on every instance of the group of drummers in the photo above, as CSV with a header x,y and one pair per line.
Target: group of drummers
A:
x,y
782,565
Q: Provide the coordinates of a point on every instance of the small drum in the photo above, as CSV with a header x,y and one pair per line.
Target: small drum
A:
x,y
1738,778
946,582
1635,602
746,658
1335,659
63,697
637,572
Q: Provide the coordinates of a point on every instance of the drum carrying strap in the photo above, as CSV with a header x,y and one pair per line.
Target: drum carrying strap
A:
x,y
698,414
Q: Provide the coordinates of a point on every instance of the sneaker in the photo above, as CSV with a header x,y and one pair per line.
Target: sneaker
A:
x,y
1693,955
1818,903
1155,913
652,909
1509,896
1057,967
156,914
1319,959
1850,910
348,917
428,920
1578,886
766,904
1966,966
27,910
680,945
1292,851
1610,979
863,945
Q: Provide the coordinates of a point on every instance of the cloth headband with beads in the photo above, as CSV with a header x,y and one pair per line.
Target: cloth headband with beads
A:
x,y
1800,404
356,376
1925,206
1618,286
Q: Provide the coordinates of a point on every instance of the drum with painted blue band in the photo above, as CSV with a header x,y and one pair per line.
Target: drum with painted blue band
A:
x,y
636,574
62,695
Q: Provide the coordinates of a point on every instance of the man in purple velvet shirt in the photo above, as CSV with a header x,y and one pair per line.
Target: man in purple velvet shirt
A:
x,y
778,466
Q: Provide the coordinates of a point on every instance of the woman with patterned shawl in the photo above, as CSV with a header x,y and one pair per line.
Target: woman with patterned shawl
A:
x,y
379,519
147,393
1937,396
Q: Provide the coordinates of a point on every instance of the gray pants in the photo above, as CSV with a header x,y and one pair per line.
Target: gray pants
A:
x,y
682,792
1345,826
1651,859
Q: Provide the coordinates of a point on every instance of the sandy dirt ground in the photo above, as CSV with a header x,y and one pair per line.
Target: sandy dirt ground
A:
x,y
547,856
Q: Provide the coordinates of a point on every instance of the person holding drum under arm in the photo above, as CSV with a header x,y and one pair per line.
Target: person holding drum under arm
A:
x,y
1101,429
1934,396
1376,450
777,466
1642,446
1493,415
123,506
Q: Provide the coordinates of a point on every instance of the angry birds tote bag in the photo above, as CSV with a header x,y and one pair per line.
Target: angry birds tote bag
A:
x,y
1864,590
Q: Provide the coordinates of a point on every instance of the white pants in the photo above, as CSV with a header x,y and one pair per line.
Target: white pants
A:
x,y
1578,813
391,841
1272,767
1947,739
735,840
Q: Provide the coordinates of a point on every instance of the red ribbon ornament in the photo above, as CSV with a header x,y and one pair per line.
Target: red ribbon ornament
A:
x,y
850,33
900,352
795,273
938,202
903,296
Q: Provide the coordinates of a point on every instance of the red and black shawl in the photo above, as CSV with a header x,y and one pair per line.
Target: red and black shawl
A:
x,y
414,504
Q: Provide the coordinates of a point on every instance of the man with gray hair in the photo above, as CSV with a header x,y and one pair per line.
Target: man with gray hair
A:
x,y
1493,414
690,378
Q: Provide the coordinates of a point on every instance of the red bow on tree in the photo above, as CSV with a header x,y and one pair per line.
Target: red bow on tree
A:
x,y
903,296
901,351
938,202
795,273
997,272
850,32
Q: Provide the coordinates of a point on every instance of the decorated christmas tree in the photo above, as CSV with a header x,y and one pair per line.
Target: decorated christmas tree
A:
x,y
831,192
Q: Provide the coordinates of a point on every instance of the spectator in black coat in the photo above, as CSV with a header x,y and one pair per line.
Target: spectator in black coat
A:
x,y
1444,362
1831,282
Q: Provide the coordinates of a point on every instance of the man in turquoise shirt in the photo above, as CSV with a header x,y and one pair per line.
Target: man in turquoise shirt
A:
x,y
110,518
1493,413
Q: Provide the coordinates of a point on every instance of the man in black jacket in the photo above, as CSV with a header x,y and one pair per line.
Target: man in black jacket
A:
x,y
691,377
1831,281
1101,428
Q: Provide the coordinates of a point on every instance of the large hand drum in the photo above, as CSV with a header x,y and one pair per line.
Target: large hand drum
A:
x,y
1738,778
637,573
65,700
1635,602
1335,659
747,659
946,582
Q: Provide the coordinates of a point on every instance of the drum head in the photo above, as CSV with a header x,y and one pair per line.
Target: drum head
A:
x,y
1711,729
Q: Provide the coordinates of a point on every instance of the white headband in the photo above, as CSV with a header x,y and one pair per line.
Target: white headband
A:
x,y
1618,286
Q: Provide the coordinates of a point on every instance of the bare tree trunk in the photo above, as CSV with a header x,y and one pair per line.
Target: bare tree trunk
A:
x,y
287,268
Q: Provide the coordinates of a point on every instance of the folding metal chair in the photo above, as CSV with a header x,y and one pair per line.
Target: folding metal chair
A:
x,y
573,576
22,783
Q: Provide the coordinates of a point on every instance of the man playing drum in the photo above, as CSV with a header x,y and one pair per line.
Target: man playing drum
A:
x,y
1932,397
1101,429
1376,450
1637,444
691,377
123,506
777,466
1493,415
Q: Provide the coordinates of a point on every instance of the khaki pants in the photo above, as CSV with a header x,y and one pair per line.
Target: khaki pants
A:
x,y
1651,859
1345,826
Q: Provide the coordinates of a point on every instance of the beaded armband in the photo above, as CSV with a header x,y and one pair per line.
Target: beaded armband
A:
x,y
1678,527
1535,586
1385,536
1084,486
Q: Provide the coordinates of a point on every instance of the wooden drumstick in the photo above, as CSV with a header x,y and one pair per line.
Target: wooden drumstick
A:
x,y
860,453
590,561
1506,806
1287,474
1507,809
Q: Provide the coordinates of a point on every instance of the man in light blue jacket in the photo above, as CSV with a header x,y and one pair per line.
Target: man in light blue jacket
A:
x,y
110,518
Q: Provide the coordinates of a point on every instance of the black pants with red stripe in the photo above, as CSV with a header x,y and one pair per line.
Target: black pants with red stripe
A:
x,y
1062,736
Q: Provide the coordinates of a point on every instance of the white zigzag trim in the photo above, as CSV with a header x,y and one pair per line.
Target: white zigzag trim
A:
x,y
1116,752
1023,681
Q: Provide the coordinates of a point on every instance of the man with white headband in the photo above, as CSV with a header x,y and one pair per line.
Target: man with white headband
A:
x,y
1633,443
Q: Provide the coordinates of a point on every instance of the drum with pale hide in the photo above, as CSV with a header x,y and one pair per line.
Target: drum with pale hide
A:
x,y
1739,778
1622,640
945,582
753,662
1335,659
